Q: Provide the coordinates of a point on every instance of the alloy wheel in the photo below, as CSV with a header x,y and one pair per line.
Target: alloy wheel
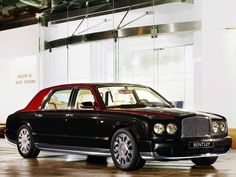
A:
x,y
123,150
24,141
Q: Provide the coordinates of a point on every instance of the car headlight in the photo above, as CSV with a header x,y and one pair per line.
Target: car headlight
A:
x,y
223,127
215,127
159,128
171,129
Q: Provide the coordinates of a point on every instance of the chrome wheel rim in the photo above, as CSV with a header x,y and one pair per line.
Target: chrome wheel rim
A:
x,y
24,141
123,150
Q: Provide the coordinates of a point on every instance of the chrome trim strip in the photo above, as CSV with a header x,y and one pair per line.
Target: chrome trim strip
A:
x,y
192,157
74,150
151,156
147,155
162,29
196,125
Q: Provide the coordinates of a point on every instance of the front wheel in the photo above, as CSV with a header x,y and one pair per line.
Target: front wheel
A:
x,y
204,161
124,151
25,143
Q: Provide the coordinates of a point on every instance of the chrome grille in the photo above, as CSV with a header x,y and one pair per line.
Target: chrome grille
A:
x,y
195,127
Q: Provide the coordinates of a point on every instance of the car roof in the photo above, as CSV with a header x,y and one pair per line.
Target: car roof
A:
x,y
94,85
35,103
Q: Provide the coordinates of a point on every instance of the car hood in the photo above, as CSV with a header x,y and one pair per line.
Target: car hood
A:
x,y
170,113
155,112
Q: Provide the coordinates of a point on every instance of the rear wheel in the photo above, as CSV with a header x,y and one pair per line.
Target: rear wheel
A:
x,y
204,161
25,143
124,151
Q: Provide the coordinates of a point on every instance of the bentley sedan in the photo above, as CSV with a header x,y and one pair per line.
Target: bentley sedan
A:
x,y
131,123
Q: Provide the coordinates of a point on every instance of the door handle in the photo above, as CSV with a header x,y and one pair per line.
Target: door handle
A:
x,y
38,115
69,115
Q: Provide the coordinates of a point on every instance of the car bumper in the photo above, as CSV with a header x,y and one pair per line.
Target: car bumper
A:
x,y
10,137
180,150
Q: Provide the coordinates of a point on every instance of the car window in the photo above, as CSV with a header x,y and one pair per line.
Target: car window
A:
x,y
148,95
131,96
59,100
113,96
84,95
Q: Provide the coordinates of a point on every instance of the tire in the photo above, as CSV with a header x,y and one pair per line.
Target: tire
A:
x,y
25,143
140,164
124,151
204,161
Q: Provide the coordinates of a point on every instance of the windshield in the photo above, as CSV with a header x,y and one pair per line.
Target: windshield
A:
x,y
131,96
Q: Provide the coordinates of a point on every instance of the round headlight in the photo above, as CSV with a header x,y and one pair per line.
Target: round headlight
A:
x,y
215,127
159,129
223,127
171,129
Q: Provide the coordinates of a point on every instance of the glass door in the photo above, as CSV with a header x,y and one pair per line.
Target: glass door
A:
x,y
166,68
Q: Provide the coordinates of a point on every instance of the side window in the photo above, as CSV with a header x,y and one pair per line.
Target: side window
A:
x,y
149,96
59,100
84,99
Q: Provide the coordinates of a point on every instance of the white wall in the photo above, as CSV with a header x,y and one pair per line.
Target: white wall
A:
x,y
216,66
19,42
18,68
4,91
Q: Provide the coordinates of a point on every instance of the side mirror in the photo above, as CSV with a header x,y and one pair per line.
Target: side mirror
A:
x,y
87,105
178,104
172,104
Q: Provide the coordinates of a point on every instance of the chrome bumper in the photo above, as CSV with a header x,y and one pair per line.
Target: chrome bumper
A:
x,y
180,150
151,156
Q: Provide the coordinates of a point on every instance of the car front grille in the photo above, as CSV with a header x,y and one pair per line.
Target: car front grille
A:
x,y
195,127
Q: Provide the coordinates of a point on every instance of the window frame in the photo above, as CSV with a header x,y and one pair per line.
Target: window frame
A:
x,y
74,98
107,107
51,93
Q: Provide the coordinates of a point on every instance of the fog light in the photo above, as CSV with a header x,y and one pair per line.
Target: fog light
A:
x,y
171,129
159,129
215,127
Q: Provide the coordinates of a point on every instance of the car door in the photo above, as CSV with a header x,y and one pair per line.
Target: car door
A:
x,y
81,123
50,121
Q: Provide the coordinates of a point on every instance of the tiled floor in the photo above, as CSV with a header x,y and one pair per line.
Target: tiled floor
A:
x,y
54,164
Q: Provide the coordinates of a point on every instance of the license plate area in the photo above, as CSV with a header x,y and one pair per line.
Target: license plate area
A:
x,y
200,144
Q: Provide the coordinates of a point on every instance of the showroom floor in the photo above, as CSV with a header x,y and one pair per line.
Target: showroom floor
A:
x,y
53,164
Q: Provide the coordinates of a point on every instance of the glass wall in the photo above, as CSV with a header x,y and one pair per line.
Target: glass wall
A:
x,y
163,62
168,70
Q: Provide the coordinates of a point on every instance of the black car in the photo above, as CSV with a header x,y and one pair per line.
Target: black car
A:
x,y
132,123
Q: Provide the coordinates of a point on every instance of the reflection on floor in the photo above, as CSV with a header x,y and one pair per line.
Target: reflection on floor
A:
x,y
54,164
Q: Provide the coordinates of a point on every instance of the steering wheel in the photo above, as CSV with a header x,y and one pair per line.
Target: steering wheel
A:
x,y
143,101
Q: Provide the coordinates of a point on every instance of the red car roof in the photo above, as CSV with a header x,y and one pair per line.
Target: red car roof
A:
x,y
35,103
